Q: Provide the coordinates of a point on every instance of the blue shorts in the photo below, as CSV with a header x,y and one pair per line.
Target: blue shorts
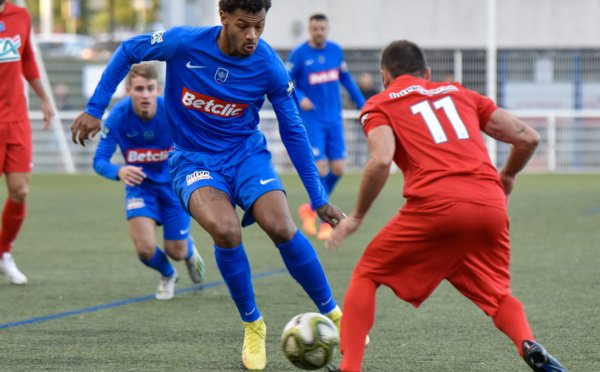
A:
x,y
243,178
158,201
327,140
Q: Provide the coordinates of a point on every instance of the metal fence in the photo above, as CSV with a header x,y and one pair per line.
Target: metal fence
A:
x,y
555,91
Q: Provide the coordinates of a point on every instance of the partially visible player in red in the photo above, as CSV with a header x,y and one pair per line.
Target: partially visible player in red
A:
x,y
16,156
454,224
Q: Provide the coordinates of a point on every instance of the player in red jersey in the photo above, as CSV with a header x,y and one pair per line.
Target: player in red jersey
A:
x,y
16,156
454,224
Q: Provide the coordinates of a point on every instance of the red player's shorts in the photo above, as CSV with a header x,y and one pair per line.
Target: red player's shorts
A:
x,y
468,244
16,154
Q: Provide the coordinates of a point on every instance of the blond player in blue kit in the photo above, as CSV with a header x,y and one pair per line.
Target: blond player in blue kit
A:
x,y
138,125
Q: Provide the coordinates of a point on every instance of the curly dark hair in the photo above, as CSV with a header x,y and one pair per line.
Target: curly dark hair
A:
x,y
251,6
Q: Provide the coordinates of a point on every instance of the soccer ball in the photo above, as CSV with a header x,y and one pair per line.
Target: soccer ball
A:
x,y
310,341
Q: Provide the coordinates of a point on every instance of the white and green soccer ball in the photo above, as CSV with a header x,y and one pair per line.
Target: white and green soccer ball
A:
x,y
310,341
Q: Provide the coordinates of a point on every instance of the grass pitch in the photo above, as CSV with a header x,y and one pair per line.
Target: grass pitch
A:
x,y
75,249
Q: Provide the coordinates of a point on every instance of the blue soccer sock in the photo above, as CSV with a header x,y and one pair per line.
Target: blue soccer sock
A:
x,y
160,263
190,245
330,180
235,270
303,264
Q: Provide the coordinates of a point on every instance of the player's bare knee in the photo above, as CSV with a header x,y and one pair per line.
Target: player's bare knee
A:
x,y
281,231
176,249
226,235
18,194
338,168
322,168
144,251
338,172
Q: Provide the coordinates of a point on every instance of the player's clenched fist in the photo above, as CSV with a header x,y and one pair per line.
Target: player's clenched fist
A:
x,y
87,126
330,214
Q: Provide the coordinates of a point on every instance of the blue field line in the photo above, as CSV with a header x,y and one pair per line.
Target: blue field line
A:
x,y
593,210
127,302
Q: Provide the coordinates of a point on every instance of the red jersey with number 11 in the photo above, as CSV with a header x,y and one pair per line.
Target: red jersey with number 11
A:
x,y
439,146
16,60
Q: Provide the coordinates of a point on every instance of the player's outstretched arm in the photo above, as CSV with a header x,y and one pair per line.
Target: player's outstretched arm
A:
x,y
382,146
504,127
84,128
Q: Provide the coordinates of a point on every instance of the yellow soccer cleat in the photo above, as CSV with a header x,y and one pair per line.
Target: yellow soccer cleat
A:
x,y
325,231
309,219
254,353
195,266
335,316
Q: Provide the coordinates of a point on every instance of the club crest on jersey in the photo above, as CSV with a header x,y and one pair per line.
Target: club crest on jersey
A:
x,y
2,27
197,176
9,49
157,37
344,67
221,75
149,135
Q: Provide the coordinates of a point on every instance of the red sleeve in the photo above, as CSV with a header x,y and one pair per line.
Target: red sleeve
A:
x,y
30,68
371,117
484,105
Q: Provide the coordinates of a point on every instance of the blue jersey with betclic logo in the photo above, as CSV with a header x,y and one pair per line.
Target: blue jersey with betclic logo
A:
x,y
318,73
144,144
212,99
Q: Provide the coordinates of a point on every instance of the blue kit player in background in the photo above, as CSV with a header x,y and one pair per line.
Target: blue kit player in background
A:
x,y
217,80
318,67
138,124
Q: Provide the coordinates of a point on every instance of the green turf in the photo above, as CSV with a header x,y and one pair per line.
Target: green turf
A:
x,y
76,251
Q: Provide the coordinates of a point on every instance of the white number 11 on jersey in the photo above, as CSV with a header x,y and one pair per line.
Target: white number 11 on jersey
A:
x,y
432,122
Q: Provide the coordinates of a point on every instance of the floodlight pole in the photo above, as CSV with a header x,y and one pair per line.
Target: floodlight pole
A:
x,y
491,72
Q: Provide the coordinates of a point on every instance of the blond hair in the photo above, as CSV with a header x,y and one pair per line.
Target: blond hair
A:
x,y
145,70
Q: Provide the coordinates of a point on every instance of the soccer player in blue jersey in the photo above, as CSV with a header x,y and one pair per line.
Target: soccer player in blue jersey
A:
x,y
217,80
318,67
138,124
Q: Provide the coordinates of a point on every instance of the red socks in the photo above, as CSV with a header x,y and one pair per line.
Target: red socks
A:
x,y
13,216
510,319
357,321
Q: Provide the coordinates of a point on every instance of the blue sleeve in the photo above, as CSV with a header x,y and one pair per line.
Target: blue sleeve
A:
x,y
106,148
294,66
159,46
350,85
294,138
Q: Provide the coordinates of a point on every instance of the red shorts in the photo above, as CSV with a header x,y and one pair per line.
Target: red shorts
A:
x,y
16,154
468,244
